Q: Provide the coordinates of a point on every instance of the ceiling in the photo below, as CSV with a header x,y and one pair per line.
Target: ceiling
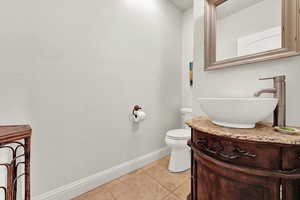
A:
x,y
183,4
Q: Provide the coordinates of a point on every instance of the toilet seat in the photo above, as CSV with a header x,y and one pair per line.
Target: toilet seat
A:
x,y
179,134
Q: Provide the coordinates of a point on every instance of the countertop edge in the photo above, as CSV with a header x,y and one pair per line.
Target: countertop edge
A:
x,y
241,134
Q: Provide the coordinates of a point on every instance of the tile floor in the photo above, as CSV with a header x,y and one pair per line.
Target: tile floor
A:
x,y
153,182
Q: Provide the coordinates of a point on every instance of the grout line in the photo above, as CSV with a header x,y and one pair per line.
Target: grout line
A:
x,y
167,196
171,191
158,183
114,198
180,185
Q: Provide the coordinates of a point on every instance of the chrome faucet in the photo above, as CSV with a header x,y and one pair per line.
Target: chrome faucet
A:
x,y
279,92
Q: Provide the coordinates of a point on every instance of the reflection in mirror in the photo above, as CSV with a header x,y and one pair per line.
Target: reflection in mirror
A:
x,y
247,27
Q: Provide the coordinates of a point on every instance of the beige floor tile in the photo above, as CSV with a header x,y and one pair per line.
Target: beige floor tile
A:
x,y
153,182
139,186
184,190
96,195
150,165
105,190
172,197
109,185
169,180
164,162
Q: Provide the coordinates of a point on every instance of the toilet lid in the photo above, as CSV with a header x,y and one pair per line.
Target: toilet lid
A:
x,y
179,134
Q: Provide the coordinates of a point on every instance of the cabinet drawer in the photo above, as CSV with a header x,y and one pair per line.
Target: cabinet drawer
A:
x,y
238,152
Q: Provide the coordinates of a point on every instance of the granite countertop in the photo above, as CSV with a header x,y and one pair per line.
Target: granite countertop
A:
x,y
263,132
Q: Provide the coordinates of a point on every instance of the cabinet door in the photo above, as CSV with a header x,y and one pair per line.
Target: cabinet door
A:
x,y
290,161
217,183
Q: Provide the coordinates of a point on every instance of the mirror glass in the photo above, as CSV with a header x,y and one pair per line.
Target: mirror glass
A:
x,y
247,27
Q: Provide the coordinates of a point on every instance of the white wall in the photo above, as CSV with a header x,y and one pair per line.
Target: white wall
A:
x,y
16,60
187,56
75,68
241,80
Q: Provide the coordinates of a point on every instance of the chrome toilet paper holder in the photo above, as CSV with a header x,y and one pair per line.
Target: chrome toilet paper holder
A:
x,y
136,108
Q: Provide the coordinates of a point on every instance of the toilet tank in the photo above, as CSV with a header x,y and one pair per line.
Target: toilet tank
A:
x,y
186,114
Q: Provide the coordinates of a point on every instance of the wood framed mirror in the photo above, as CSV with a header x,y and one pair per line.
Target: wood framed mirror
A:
x,y
247,31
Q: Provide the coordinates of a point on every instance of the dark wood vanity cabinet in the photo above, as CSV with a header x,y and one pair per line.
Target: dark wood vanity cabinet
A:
x,y
226,168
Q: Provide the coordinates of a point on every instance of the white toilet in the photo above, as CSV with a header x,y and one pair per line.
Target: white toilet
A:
x,y
177,139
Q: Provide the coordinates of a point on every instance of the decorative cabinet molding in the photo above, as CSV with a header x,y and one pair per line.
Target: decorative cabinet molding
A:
x,y
224,149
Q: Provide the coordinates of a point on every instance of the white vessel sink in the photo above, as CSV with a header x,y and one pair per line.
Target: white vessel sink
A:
x,y
238,112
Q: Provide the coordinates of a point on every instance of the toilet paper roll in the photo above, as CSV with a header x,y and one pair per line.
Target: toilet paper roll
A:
x,y
139,115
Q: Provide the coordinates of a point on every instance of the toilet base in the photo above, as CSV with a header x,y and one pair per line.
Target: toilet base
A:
x,y
180,160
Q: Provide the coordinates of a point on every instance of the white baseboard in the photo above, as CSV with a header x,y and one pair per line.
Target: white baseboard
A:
x,y
86,184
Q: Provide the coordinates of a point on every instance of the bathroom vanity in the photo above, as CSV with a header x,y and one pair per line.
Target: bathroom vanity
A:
x,y
243,164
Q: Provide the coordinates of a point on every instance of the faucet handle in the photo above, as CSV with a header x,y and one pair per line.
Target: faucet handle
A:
x,y
275,78
261,79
